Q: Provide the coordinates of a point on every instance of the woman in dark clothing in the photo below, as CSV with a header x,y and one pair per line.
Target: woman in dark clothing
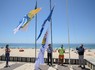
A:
x,y
7,55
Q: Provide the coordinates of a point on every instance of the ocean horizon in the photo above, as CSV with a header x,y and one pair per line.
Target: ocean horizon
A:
x,y
55,46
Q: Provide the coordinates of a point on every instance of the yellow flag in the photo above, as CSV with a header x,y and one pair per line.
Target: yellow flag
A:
x,y
30,15
23,24
33,13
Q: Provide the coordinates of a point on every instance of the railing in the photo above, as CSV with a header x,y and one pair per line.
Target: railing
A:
x,y
55,60
32,59
90,64
19,59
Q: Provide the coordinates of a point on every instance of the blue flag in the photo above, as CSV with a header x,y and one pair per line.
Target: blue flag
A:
x,y
43,25
49,17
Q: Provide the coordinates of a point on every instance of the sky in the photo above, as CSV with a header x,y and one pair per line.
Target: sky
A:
x,y
81,20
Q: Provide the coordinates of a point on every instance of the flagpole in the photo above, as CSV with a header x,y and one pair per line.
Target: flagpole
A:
x,y
51,30
68,28
35,31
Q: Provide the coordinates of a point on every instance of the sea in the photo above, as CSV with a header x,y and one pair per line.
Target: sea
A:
x,y
55,46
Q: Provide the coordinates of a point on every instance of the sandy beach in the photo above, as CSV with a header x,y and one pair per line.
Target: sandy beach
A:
x,y
89,53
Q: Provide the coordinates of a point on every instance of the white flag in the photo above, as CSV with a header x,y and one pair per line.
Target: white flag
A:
x,y
40,59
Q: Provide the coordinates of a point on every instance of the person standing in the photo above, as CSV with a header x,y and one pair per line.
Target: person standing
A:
x,y
81,56
7,55
49,54
61,52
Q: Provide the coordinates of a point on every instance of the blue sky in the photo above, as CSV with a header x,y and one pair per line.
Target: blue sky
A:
x,y
81,21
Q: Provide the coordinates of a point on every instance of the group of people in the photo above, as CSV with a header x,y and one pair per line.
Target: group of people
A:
x,y
61,52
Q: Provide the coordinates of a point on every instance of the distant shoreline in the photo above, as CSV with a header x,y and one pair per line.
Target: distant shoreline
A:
x,y
29,45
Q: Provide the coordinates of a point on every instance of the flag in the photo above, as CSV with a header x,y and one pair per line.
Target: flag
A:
x,y
23,24
40,59
43,25
49,17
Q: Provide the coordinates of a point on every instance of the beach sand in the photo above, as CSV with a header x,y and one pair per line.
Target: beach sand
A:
x,y
89,54
31,53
